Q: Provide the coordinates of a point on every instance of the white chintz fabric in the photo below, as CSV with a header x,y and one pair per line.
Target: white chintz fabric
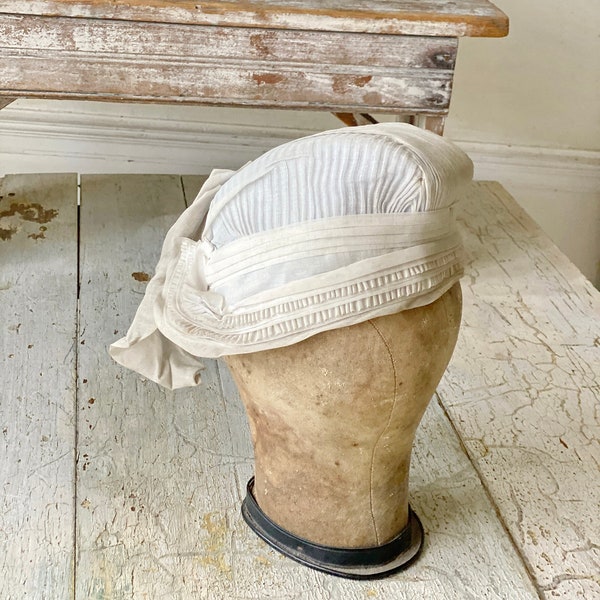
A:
x,y
323,232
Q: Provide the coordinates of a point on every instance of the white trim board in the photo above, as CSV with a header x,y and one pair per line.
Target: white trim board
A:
x,y
543,168
82,136
559,188
92,137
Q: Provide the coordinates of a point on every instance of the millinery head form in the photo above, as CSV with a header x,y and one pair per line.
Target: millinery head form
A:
x,y
319,233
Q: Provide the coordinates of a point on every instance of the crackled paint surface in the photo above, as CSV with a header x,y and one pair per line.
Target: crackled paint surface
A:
x,y
523,391
38,312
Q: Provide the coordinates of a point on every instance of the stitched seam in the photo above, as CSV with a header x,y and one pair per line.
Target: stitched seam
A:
x,y
382,431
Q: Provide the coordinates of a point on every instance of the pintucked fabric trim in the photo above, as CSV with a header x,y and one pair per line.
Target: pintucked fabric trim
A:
x,y
200,328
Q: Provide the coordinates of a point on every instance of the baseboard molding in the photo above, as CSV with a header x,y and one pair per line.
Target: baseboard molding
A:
x,y
56,137
34,139
539,168
101,140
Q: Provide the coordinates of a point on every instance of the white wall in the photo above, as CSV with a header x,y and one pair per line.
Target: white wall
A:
x,y
526,107
540,86
538,91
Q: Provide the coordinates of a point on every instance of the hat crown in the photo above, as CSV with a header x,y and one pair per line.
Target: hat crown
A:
x,y
365,170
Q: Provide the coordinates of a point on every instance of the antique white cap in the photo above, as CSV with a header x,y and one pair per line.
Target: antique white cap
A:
x,y
319,233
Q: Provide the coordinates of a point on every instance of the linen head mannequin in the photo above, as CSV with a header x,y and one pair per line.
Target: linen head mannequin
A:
x,y
320,233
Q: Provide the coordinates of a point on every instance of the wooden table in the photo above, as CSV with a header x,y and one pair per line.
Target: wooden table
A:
x,y
392,56
113,488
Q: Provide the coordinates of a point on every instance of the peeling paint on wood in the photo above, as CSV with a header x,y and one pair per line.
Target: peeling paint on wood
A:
x,y
140,276
397,17
523,390
25,212
53,57
394,56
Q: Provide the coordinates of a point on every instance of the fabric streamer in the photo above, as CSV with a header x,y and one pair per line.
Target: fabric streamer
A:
x,y
323,232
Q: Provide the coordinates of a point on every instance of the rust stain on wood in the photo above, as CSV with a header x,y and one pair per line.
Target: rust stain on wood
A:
x,y
140,276
267,78
41,235
343,83
261,43
30,212
7,233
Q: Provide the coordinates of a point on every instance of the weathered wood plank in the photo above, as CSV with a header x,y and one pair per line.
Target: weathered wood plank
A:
x,y
38,312
212,65
523,391
162,475
401,17
254,48
412,92
155,469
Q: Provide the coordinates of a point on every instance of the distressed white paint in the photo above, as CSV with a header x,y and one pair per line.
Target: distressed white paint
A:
x,y
523,391
151,469
193,45
405,17
38,305
53,57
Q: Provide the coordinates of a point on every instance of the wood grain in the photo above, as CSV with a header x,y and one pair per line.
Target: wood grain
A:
x,y
398,17
116,39
523,390
51,57
156,477
38,311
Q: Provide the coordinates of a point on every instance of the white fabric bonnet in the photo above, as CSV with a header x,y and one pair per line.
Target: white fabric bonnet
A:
x,y
319,233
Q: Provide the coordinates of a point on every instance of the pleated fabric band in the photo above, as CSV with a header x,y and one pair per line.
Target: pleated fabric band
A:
x,y
323,232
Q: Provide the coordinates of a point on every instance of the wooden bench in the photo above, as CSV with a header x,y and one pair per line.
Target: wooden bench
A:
x,y
392,56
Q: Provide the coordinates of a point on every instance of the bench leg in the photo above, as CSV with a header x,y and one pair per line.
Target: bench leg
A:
x,y
435,124
354,119
432,123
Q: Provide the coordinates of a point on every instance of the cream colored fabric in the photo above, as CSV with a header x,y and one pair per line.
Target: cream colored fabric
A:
x,y
323,232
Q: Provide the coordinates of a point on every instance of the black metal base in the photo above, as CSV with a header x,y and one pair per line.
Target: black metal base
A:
x,y
352,563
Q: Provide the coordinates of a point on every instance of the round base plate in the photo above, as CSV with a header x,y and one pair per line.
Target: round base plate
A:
x,y
352,563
